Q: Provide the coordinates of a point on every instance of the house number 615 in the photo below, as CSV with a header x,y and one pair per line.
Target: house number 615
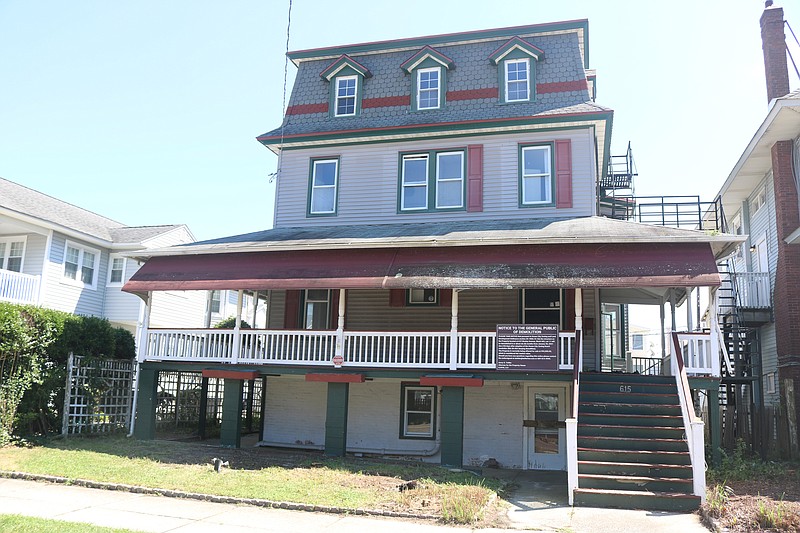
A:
x,y
624,388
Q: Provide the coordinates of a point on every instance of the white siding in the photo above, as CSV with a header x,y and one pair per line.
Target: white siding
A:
x,y
179,235
295,411
35,247
177,309
368,180
493,417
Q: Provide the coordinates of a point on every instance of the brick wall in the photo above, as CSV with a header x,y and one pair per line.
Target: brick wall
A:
x,y
774,47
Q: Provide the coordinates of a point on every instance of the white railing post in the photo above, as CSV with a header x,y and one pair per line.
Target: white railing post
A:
x,y
698,459
454,351
339,350
572,457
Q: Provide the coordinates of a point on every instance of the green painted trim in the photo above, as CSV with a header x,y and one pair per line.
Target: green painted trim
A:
x,y
146,402
415,85
516,49
447,128
332,95
520,148
501,80
310,189
432,184
403,387
430,55
452,424
433,40
231,428
606,147
715,423
336,419
351,63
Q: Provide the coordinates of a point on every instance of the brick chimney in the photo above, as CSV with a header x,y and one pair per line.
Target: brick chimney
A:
x,y
774,45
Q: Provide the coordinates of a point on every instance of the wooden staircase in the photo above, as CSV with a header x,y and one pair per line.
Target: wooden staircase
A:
x,y
632,452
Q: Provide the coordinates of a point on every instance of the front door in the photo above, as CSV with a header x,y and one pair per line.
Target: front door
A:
x,y
547,446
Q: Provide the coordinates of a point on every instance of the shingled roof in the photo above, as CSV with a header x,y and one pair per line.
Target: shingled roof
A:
x,y
472,82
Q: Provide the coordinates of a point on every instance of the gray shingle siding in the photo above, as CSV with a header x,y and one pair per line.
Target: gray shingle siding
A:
x,y
473,70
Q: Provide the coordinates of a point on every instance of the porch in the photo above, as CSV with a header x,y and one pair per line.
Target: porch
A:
x,y
19,288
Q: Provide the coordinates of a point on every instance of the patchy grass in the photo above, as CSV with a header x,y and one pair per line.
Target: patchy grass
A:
x,y
350,483
12,523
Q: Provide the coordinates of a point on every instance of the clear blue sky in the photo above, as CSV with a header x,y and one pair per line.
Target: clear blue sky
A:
x,y
147,111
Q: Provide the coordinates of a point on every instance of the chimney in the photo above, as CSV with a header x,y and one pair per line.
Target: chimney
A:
x,y
774,46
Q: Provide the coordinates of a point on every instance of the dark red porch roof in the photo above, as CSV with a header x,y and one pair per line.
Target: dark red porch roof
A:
x,y
501,266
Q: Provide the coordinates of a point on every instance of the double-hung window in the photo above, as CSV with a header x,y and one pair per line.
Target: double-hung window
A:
x,y
316,309
428,87
432,181
116,270
346,88
324,182
80,265
536,175
11,253
517,80
418,417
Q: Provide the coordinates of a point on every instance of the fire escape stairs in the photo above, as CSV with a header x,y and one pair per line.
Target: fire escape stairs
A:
x,y
632,450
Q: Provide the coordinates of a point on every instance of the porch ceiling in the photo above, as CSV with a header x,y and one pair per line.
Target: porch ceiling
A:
x,y
499,266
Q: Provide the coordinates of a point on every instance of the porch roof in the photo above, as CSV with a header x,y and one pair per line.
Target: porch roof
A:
x,y
502,266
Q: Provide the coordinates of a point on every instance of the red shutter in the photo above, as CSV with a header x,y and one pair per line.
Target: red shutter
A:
x,y
291,311
569,309
445,297
563,173
334,312
397,297
475,177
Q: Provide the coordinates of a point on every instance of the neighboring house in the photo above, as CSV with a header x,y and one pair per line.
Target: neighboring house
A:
x,y
437,273
760,200
63,257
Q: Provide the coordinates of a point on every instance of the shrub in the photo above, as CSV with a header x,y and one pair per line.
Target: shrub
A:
x,y
230,323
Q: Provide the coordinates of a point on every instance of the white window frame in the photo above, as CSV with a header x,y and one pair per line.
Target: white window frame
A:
x,y
506,65
418,297
315,187
547,175
634,338
405,433
313,301
450,180
769,385
424,184
338,97
438,88
111,259
759,200
9,241
82,250
220,302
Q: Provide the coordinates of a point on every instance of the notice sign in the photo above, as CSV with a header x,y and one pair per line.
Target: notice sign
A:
x,y
527,347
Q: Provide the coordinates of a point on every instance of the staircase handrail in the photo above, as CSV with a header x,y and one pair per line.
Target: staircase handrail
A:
x,y
692,424
721,342
572,421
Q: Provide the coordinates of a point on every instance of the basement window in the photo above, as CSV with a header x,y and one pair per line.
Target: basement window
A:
x,y
418,412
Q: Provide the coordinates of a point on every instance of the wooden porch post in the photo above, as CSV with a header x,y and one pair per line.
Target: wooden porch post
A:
x,y
237,329
336,419
146,403
454,331
231,429
578,322
340,327
452,426
141,353
715,423
663,316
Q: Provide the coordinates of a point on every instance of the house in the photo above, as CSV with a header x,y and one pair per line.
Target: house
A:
x,y
436,274
63,257
760,310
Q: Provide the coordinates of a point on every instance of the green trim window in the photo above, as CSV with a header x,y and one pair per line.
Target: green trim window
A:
x,y
432,181
517,80
422,297
536,178
418,412
346,96
323,187
428,88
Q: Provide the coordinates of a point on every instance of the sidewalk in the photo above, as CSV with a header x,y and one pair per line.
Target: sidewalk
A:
x,y
161,514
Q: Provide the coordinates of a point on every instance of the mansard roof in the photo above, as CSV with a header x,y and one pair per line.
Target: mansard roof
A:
x,y
472,89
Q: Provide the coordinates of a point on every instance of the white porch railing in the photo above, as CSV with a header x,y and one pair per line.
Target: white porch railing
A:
x,y
752,289
19,288
700,353
428,349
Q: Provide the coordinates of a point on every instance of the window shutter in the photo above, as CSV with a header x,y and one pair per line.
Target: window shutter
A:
x,y
334,309
563,174
475,177
291,310
445,297
397,297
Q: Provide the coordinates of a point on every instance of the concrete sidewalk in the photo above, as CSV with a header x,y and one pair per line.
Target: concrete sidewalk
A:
x,y
161,514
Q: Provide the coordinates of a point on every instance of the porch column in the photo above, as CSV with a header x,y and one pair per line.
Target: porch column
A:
x,y
663,316
672,310
237,328
201,425
230,435
689,321
579,309
336,419
715,424
146,403
454,331
339,351
452,430
142,328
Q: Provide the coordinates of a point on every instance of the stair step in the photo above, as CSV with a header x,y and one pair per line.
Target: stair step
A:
x,y
595,377
621,386
631,419
628,397
630,499
641,431
628,408
632,443
635,469
615,455
648,483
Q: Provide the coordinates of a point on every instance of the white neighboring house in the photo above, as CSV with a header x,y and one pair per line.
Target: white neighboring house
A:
x,y
63,257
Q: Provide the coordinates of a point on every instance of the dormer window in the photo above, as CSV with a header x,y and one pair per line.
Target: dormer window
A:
x,y
516,61
346,77
428,68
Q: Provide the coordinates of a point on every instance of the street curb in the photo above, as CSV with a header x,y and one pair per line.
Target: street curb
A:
x,y
211,498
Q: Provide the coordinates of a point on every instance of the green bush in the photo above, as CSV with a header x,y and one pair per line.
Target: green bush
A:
x,y
35,344
230,323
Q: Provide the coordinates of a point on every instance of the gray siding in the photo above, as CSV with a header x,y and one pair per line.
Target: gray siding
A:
x,y
67,297
368,181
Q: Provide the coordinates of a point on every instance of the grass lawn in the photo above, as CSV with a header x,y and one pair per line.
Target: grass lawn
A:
x,y
260,473
12,523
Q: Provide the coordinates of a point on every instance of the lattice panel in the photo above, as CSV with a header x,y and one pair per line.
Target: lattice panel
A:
x,y
98,396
